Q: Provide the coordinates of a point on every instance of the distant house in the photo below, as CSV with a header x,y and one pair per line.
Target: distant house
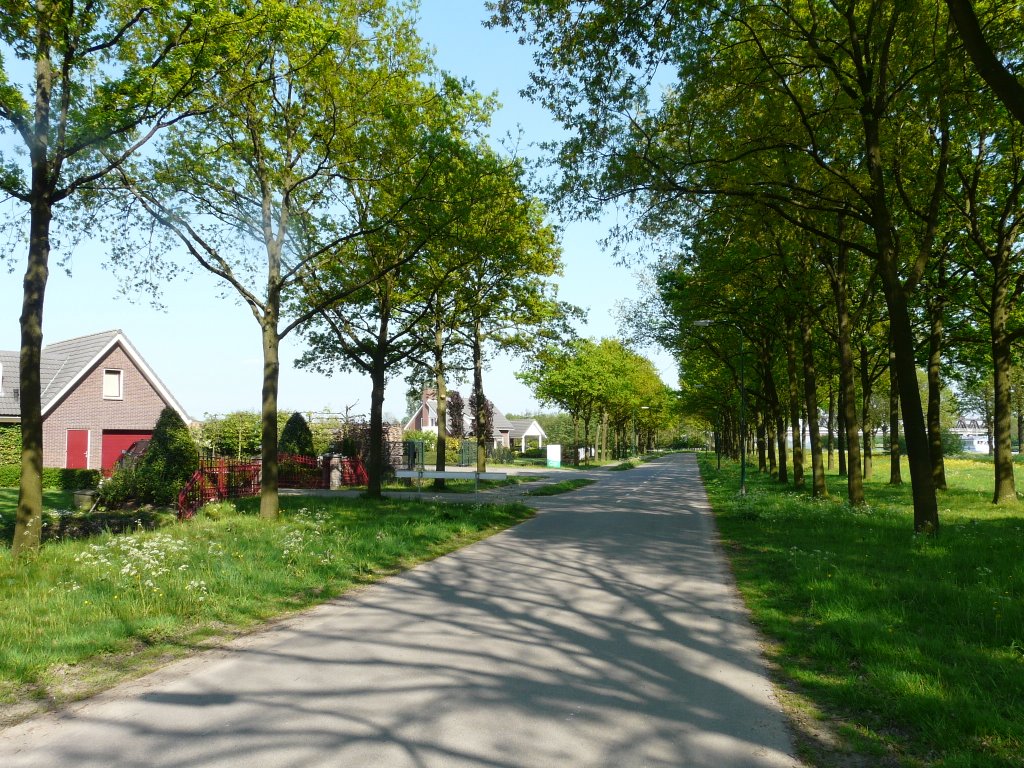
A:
x,y
424,419
98,398
528,431
973,433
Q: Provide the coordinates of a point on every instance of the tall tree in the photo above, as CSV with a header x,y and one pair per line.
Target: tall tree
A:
x,y
260,191
507,298
83,87
816,111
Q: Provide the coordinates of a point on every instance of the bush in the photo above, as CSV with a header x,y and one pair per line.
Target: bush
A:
x,y
126,485
171,459
501,455
535,453
70,479
10,444
297,438
429,439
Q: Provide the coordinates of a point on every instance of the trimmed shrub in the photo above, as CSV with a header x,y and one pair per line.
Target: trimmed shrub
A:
x,y
171,459
10,444
70,479
10,476
429,439
296,438
54,478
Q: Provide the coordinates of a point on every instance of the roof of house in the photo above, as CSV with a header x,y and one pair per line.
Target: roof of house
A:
x,y
501,424
64,363
522,427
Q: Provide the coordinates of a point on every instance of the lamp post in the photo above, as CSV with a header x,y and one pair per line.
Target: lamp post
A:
x,y
743,402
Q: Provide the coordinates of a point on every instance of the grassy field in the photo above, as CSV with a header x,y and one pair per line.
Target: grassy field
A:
x,y
910,648
85,614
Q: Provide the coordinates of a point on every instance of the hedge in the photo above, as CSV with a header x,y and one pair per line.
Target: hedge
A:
x,y
10,444
54,479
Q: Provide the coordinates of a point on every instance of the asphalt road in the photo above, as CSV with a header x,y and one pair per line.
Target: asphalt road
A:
x,y
604,632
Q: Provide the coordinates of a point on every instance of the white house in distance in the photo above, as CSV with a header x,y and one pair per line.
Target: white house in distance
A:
x,y
526,431
505,433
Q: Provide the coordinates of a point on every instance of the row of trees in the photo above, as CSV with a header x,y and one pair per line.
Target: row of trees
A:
x,y
309,154
832,184
613,393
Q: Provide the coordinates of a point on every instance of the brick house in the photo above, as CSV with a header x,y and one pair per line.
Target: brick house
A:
x,y
98,397
424,419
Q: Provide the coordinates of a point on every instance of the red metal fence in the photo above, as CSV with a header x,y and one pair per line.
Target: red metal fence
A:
x,y
219,479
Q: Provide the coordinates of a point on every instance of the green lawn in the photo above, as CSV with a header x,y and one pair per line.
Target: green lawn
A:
x,y
911,646
84,614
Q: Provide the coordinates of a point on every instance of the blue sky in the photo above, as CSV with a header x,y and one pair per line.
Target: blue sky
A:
x,y
205,346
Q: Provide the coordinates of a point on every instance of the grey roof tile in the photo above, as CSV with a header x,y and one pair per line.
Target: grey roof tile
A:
x,y
61,362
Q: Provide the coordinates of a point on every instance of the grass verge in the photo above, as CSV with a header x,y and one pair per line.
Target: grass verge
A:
x,y
85,614
910,647
460,486
563,486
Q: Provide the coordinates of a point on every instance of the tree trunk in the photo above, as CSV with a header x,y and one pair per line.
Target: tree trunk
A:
x,y
818,487
935,452
794,408
762,453
773,461
1005,490
29,519
29,516
831,424
926,509
841,432
867,428
442,407
895,471
848,396
1020,428
481,402
269,501
775,407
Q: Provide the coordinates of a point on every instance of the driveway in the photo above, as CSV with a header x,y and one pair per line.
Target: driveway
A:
x,y
604,632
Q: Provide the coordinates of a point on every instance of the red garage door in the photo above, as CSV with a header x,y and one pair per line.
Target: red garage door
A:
x,y
116,442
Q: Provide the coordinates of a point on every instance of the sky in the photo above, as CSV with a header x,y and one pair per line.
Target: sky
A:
x,y
205,345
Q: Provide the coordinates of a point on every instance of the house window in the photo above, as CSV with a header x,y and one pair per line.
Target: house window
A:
x,y
113,384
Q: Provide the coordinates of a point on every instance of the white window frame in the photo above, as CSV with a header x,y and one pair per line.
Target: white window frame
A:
x,y
120,384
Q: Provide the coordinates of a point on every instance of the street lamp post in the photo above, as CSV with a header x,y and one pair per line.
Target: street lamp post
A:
x,y
743,402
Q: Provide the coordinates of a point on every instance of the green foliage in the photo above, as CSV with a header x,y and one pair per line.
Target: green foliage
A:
x,y
10,444
128,484
296,438
501,455
235,435
429,438
54,478
170,460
